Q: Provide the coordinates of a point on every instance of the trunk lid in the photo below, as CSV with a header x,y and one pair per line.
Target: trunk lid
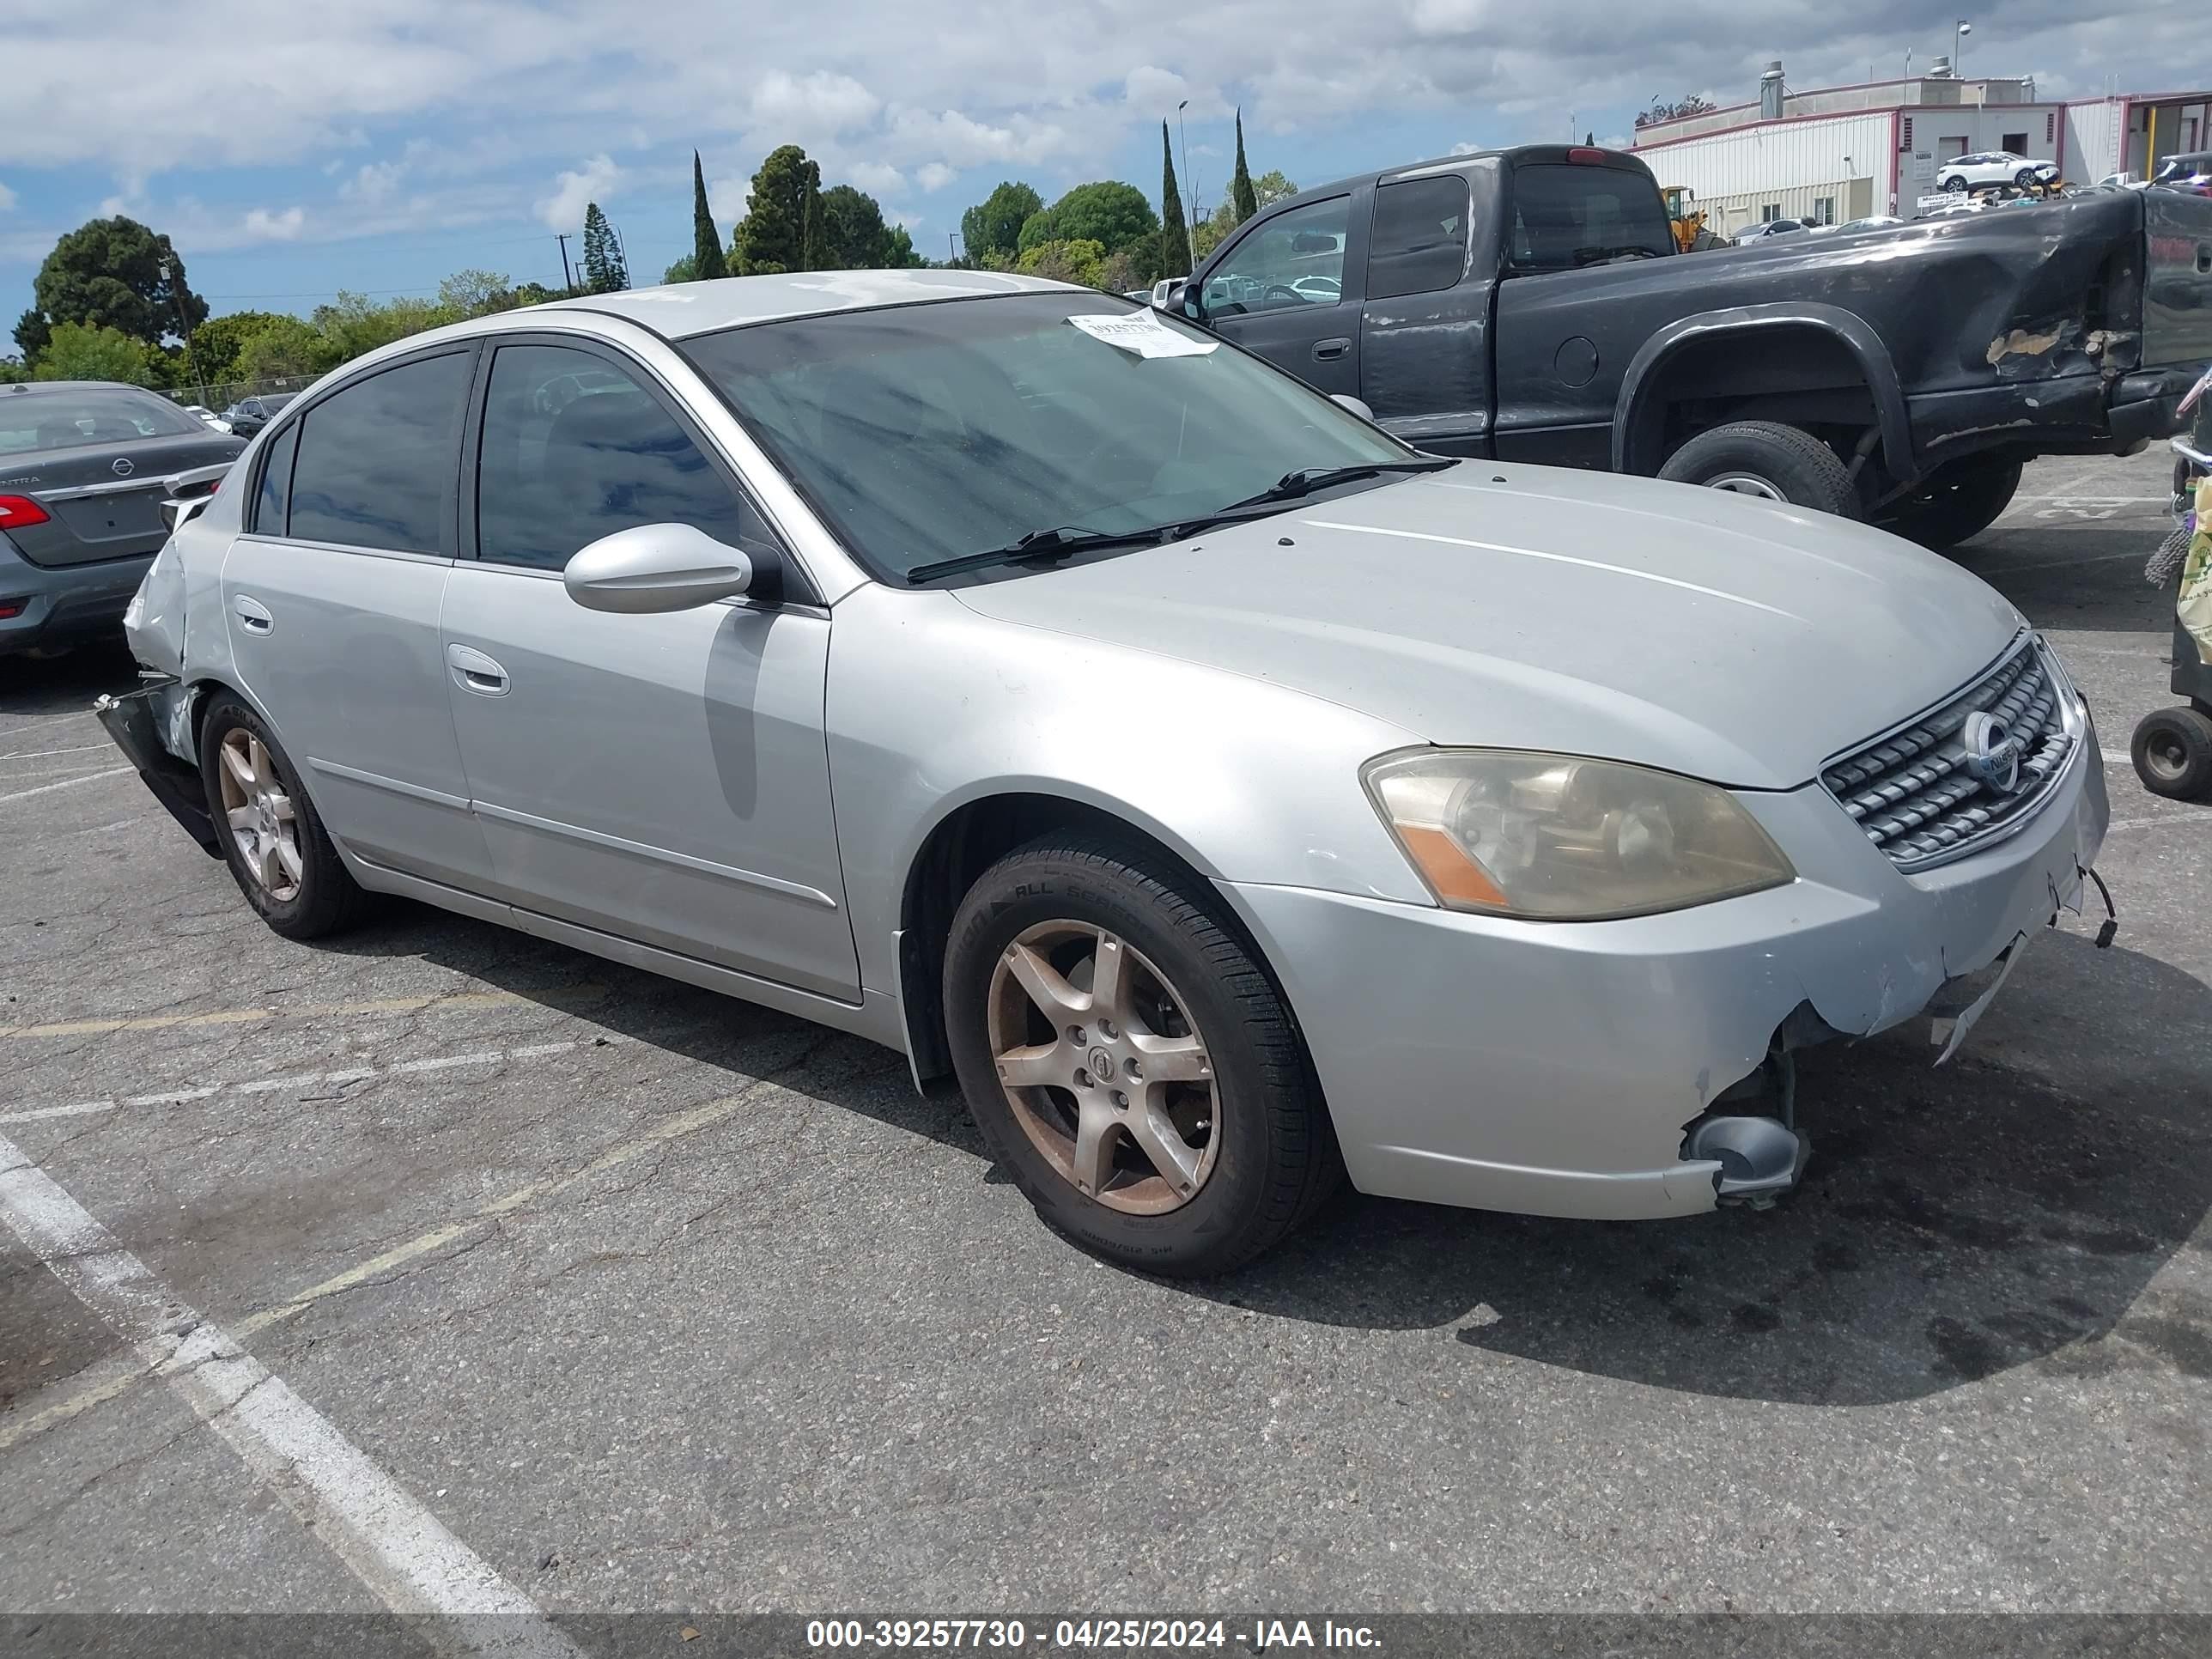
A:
x,y
104,499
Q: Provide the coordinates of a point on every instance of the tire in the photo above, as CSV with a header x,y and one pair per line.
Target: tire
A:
x,y
2025,179
2172,752
1764,458
1955,503
1955,182
1265,1156
321,897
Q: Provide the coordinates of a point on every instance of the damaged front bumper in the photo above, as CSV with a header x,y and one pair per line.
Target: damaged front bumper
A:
x,y
1570,1068
142,722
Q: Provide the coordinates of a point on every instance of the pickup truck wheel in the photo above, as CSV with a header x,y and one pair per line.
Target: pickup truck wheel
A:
x,y
1766,458
1128,1061
1955,503
272,837
2172,753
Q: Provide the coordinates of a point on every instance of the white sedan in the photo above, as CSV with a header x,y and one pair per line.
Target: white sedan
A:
x,y
1996,166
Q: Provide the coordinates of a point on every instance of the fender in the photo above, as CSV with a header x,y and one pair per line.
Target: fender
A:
x,y
1632,447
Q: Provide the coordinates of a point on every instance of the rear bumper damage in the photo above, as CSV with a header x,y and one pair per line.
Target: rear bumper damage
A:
x,y
1602,1069
138,721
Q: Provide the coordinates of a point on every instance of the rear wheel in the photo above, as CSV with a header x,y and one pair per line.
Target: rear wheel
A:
x,y
1955,503
274,842
1766,458
1131,1066
2172,753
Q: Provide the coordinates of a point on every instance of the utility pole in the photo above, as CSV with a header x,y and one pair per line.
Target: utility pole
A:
x,y
185,333
567,274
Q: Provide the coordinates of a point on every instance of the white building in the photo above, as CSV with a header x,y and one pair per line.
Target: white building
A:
x,y
1842,152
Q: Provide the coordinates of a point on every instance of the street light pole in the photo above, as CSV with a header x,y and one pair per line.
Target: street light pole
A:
x,y
1958,47
1190,204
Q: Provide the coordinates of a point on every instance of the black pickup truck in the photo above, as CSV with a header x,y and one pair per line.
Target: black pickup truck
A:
x,y
1530,304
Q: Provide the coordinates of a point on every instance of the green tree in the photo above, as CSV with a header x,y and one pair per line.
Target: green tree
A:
x,y
281,349
83,351
1080,260
216,342
473,293
1175,233
13,369
683,269
1110,213
109,273
1214,228
1244,200
534,294
898,249
814,244
1271,187
853,230
352,325
772,236
604,270
994,224
706,262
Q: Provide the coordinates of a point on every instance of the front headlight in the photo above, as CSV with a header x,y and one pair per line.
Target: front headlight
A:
x,y
1557,838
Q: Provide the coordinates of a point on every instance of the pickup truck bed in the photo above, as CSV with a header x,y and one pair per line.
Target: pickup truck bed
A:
x,y
1531,304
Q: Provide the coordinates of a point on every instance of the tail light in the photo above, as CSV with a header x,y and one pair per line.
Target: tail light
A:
x,y
1582,157
20,513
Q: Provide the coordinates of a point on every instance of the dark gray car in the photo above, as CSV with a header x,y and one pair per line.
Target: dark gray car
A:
x,y
84,468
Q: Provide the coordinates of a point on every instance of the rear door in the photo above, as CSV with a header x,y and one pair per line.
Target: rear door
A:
x,y
1425,326
331,598
1289,289
1573,303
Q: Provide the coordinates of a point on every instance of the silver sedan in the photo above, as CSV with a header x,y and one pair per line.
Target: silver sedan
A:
x,y
1230,796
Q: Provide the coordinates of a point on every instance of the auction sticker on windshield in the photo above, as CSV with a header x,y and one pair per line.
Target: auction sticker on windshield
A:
x,y
1144,334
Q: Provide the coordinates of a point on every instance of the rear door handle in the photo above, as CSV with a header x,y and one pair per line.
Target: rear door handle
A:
x,y
253,616
475,671
1328,351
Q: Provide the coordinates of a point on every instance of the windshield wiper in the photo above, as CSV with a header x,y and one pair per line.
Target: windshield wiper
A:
x,y
1040,545
1295,486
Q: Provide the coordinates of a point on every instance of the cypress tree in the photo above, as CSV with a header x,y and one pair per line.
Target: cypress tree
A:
x,y
707,261
1242,203
1175,231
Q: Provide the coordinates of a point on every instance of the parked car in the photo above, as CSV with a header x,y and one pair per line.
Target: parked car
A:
x,y
1878,222
1226,792
201,412
1904,378
84,468
1766,229
2190,170
1996,166
249,415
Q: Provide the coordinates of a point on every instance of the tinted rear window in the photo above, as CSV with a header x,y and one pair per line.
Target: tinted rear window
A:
x,y
378,460
1565,217
93,415
1419,241
271,501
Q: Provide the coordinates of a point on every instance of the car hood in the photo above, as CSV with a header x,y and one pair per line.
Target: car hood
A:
x,y
1529,607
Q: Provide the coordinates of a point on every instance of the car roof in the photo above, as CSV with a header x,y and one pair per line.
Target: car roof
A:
x,y
37,388
681,310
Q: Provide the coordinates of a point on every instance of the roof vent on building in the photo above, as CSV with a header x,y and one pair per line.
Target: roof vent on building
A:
x,y
1769,91
1940,69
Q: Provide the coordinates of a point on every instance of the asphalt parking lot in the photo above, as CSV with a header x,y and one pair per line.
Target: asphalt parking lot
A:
x,y
654,1300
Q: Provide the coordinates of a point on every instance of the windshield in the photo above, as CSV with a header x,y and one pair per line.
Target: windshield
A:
x,y
926,432
92,414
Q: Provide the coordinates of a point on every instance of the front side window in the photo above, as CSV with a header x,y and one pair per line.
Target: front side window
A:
x,y
377,459
575,449
1419,244
1566,216
924,432
1295,258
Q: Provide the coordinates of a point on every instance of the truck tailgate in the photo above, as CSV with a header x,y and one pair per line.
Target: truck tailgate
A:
x,y
2177,313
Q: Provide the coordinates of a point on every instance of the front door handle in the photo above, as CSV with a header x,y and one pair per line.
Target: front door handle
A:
x,y
475,671
253,616
1328,351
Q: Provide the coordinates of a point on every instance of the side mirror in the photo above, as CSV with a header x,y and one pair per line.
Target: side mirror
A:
x,y
1356,405
654,567
1186,297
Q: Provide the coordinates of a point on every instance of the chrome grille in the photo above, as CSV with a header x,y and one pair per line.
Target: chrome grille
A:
x,y
1911,790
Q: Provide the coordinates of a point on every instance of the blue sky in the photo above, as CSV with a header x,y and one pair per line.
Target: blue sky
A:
x,y
289,151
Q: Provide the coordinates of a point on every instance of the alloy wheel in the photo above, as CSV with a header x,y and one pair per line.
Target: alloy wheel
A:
x,y
261,816
1106,1073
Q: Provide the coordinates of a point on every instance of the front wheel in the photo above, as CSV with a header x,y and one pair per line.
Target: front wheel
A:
x,y
1955,503
1129,1064
1774,462
1955,182
2025,179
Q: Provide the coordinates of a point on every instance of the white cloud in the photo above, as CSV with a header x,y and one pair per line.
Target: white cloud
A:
x,y
263,226
1466,147
874,177
576,188
373,182
822,103
6,198
934,175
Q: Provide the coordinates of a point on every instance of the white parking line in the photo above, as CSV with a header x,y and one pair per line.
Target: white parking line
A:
x,y
267,1086
48,754
393,1544
2182,816
2095,501
66,783
51,719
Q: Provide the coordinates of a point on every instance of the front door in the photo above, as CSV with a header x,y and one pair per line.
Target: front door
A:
x,y
1288,288
331,598
663,778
